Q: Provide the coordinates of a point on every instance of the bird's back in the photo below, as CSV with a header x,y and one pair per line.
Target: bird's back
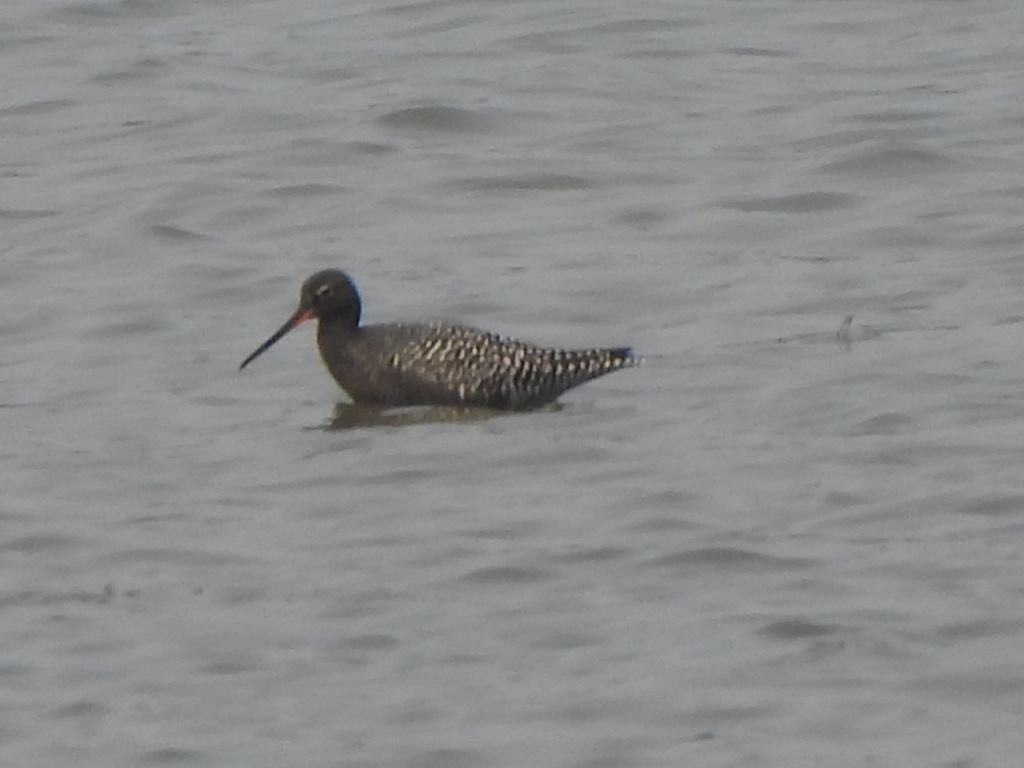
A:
x,y
432,364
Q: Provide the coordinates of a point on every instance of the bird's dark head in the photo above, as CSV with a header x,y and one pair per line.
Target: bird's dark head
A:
x,y
330,296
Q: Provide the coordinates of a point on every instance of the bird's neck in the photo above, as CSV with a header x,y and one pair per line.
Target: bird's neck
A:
x,y
337,326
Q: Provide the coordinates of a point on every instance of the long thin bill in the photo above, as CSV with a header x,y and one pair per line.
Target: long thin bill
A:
x,y
301,315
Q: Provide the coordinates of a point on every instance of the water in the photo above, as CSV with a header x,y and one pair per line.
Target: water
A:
x,y
783,541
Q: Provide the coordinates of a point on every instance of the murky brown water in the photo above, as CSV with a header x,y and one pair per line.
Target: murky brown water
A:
x,y
783,541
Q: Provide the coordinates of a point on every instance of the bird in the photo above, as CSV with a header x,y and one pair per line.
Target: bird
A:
x,y
434,364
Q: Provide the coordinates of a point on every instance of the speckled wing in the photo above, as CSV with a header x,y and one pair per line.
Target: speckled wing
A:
x,y
457,365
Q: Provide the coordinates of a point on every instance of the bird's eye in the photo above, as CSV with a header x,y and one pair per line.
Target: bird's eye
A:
x,y
323,291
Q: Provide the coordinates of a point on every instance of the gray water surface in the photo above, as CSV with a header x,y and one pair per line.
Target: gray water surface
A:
x,y
785,540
